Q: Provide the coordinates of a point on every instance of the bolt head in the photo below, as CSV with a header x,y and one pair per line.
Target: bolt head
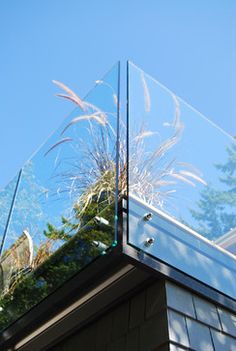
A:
x,y
148,216
149,242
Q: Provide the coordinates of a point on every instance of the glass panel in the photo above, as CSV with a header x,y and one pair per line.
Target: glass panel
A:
x,y
6,202
64,213
182,168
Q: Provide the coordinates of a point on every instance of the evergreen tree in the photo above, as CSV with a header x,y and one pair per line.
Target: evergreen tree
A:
x,y
217,208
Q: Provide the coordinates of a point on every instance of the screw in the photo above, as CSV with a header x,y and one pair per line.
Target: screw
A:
x,y
147,216
100,245
101,220
149,242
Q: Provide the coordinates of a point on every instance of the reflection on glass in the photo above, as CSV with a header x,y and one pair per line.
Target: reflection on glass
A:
x,y
30,284
6,202
180,162
64,211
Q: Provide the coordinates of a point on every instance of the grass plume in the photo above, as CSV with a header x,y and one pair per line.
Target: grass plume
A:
x,y
151,176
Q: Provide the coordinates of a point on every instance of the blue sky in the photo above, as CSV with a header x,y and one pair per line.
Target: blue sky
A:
x,y
190,46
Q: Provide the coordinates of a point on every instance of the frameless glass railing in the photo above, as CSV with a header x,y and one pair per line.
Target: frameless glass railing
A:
x,y
174,166
64,211
181,184
7,196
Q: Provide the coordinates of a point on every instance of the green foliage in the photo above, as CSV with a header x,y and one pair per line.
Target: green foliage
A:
x,y
54,233
216,214
77,251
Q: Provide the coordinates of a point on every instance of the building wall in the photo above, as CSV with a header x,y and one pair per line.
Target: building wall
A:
x,y
162,317
198,324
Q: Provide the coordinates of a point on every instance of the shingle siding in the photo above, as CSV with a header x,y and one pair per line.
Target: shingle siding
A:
x,y
208,326
161,317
